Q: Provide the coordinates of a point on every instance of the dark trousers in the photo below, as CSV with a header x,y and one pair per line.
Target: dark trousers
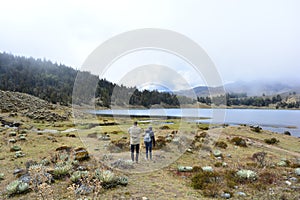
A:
x,y
136,147
148,146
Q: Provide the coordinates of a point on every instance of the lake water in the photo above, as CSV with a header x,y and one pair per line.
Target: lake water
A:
x,y
273,120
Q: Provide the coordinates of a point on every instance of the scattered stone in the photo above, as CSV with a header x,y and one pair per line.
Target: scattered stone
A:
x,y
288,183
229,156
287,133
297,171
189,150
18,172
12,134
241,194
81,154
63,148
145,198
19,154
22,138
282,163
224,164
185,168
225,196
293,179
1,176
12,140
217,153
71,135
15,148
104,138
207,169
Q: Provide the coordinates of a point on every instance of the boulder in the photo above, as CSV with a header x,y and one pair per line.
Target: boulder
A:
x,y
81,154
297,171
217,153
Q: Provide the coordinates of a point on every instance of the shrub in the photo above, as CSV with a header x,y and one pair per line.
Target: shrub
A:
x,y
271,141
221,144
201,179
165,127
218,164
238,141
259,157
287,133
256,129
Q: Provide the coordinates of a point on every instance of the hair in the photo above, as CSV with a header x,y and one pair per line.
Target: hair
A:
x,y
135,123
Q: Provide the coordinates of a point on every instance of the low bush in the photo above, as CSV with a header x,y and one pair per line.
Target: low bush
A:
x,y
221,144
271,141
238,141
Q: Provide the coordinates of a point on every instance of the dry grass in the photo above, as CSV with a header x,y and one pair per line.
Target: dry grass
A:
x,y
165,183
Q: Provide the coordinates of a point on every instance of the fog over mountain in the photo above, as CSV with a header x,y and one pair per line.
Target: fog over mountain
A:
x,y
251,88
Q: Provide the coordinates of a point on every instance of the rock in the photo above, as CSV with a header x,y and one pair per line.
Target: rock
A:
x,y
297,171
189,150
22,138
207,169
145,198
241,194
1,176
282,163
224,164
12,134
294,179
288,183
247,174
15,148
18,172
63,148
217,153
12,140
19,154
225,196
81,154
229,156
185,168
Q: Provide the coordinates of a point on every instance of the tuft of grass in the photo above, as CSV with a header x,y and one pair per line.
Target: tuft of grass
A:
x,y
271,141
238,141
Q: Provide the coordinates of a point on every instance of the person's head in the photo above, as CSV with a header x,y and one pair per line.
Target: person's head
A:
x,y
135,123
150,128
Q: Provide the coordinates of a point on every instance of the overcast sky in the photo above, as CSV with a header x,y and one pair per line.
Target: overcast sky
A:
x,y
246,40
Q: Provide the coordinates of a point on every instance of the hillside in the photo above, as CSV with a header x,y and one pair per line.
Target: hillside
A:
x,y
54,83
43,159
16,103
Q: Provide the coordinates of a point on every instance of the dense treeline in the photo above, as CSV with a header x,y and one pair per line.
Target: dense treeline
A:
x,y
54,82
241,99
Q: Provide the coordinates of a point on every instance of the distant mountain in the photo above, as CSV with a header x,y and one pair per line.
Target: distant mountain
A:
x,y
255,88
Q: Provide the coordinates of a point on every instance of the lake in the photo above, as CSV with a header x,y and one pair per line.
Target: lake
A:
x,y
273,120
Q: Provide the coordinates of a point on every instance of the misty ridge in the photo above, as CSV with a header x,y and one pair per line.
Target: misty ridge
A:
x,y
54,82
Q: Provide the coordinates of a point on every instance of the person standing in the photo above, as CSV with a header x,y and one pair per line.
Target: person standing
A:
x,y
135,134
148,144
152,136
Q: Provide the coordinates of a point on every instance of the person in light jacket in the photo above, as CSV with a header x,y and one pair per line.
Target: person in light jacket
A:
x,y
135,135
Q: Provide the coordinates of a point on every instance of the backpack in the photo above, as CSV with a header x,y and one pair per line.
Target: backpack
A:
x,y
147,137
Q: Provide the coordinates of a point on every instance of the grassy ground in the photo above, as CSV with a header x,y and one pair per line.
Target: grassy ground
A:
x,y
160,181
